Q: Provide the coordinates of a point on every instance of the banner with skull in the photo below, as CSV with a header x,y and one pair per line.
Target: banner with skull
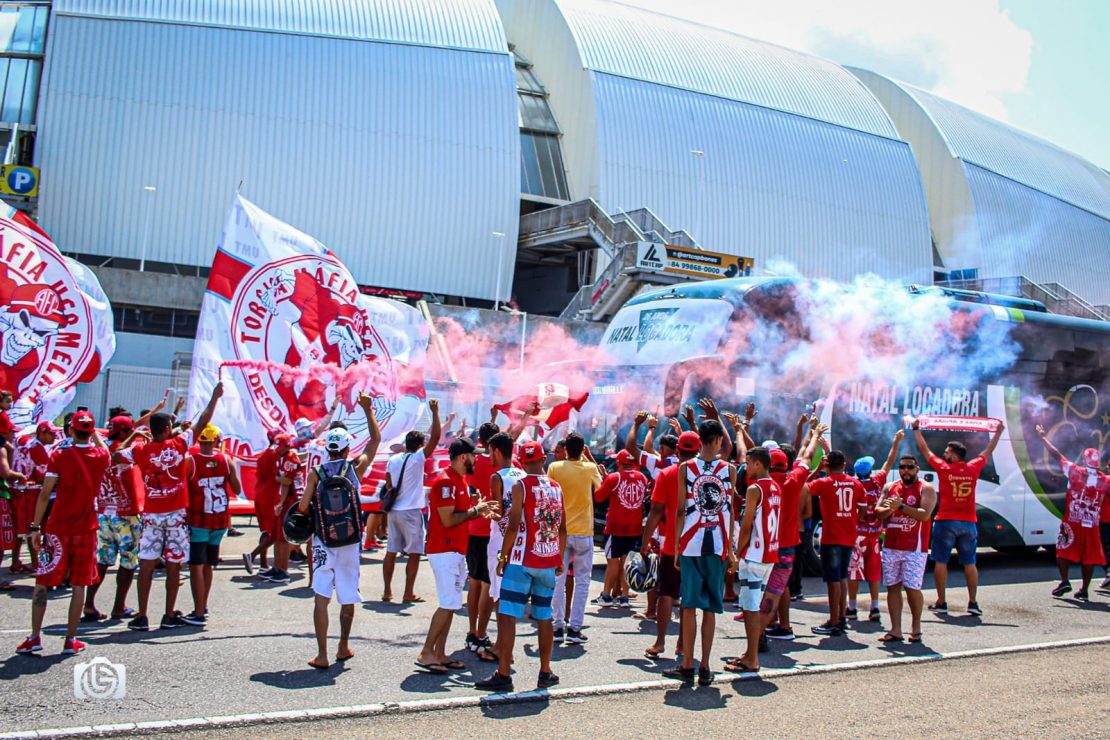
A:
x,y
55,322
284,325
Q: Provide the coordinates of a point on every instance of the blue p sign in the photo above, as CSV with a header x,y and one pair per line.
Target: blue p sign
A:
x,y
21,180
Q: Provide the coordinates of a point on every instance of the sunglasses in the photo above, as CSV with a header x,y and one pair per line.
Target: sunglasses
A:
x,y
907,467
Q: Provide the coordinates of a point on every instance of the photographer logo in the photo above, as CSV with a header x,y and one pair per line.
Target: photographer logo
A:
x,y
99,679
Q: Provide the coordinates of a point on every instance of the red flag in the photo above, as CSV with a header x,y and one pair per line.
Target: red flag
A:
x,y
535,404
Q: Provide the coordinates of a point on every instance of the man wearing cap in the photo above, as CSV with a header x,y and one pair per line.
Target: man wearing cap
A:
x,y
840,496
336,569
448,536
530,560
624,525
32,459
68,545
119,527
405,470
212,482
867,563
290,482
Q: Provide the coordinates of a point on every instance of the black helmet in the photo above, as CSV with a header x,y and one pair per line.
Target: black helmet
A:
x,y
297,526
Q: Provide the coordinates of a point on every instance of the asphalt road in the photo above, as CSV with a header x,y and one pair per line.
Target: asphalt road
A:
x,y
251,657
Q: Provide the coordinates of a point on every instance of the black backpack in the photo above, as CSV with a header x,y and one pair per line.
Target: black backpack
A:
x,y
337,510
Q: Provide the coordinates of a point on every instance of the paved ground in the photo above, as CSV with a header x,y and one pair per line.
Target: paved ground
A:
x,y
252,656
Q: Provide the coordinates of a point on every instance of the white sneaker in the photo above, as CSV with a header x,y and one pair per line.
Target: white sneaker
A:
x,y
248,563
1105,585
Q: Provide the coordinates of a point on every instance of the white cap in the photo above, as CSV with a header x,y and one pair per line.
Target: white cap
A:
x,y
337,440
770,445
303,428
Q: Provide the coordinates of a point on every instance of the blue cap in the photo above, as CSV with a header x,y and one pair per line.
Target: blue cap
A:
x,y
864,465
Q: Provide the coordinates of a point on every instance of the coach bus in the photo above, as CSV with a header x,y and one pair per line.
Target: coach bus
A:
x,y
736,340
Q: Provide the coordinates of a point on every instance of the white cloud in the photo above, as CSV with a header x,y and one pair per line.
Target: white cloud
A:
x,y
969,51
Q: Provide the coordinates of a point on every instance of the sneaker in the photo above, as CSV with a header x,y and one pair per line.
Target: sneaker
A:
x,y
974,610
605,600
827,628
485,642
172,622
266,574
1062,588
575,637
939,608
842,625
248,563
139,624
875,615
197,620
546,680
1105,585
279,576
496,683
472,643
851,614
233,532
73,646
296,556
623,602
705,676
1082,595
30,645
559,635
797,597
779,633
764,646
686,675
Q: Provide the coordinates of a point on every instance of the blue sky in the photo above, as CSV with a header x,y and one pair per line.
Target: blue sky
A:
x,y
1040,65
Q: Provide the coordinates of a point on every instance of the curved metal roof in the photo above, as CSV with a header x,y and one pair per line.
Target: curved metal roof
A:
x,y
628,42
1016,154
457,24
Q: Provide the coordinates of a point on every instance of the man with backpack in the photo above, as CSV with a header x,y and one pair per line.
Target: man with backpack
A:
x,y
332,492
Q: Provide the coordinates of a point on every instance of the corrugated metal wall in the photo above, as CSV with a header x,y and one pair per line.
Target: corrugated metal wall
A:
x,y
832,201
404,159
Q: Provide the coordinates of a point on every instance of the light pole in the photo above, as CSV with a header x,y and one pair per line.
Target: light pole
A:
x,y
149,190
700,156
500,237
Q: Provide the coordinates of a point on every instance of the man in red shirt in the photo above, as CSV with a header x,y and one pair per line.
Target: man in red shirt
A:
x,y
68,548
289,475
1079,540
479,605
31,458
664,511
448,533
840,497
624,525
955,524
266,494
867,564
165,531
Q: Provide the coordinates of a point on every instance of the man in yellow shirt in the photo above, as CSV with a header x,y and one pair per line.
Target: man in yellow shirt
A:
x,y
578,476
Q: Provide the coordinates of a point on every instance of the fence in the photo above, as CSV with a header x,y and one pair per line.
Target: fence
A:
x,y
134,388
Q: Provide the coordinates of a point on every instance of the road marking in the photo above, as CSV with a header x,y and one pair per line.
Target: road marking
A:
x,y
463,702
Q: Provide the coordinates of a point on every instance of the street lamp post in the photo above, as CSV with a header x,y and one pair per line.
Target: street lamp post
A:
x,y
500,237
700,156
149,190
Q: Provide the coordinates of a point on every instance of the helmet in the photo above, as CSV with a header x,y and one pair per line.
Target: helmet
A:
x,y
210,433
642,571
297,526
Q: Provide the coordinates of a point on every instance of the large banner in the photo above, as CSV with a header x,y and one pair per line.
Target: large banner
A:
x,y
284,325
55,321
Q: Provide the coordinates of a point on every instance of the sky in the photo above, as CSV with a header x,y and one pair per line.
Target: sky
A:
x,y
1040,65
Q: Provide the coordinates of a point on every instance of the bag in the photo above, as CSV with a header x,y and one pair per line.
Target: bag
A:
x,y
389,496
336,508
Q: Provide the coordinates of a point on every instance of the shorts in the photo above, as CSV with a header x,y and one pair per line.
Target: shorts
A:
x,y
264,511
834,562
23,510
449,569
867,559
618,546
964,536
406,532
164,536
204,545
670,578
67,554
753,582
780,574
118,536
520,584
7,533
703,582
904,566
278,531
477,558
1077,544
335,570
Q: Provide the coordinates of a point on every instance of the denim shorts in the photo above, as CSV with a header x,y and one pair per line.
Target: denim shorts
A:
x,y
964,536
834,562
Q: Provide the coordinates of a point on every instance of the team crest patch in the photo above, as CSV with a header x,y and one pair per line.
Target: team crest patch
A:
x,y
708,492
50,554
1066,537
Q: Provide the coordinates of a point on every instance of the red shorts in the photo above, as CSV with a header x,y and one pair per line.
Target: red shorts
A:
x,y
1081,545
23,510
278,530
264,510
867,559
67,554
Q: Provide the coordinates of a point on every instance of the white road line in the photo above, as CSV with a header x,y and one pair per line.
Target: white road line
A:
x,y
462,702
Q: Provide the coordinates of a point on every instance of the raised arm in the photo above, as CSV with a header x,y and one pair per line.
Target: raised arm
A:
x,y
210,409
892,456
634,433
649,438
709,409
367,457
1049,446
436,430
800,430
994,441
325,421
920,439
517,428
144,420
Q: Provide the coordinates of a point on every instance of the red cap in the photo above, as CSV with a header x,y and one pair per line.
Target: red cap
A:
x,y
531,452
779,460
689,442
283,440
83,421
625,459
46,426
121,422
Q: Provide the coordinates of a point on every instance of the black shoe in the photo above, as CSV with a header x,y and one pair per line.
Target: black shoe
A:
x,y
196,620
828,628
546,680
1062,589
296,556
851,614
575,637
233,532
169,623
686,675
939,608
496,683
139,624
974,610
472,643
705,676
559,635
764,647
875,615
1082,595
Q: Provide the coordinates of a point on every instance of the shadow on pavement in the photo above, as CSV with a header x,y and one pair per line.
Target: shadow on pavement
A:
x,y
496,710
696,698
303,678
28,665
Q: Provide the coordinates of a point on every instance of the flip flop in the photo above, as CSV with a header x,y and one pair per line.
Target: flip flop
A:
x,y
891,638
487,656
652,654
740,667
127,614
454,665
413,600
93,616
431,667
915,637
317,666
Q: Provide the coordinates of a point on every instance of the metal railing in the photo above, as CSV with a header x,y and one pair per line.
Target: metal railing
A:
x,y
1056,298
624,227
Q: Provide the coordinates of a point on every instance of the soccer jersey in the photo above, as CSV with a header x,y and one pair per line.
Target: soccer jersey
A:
x,y
707,510
903,532
869,524
537,544
763,545
791,485
509,477
665,493
655,464
121,491
209,484
80,471
162,465
839,496
956,488
448,489
480,480
1087,488
32,458
625,491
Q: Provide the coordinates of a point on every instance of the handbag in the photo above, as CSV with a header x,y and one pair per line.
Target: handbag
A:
x,y
389,496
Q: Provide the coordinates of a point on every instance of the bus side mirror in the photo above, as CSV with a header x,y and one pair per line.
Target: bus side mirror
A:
x,y
929,477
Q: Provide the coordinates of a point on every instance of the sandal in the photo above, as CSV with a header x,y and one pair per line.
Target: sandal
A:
x,y
888,637
915,637
436,668
652,653
740,666
127,614
486,655
93,616
454,665
413,600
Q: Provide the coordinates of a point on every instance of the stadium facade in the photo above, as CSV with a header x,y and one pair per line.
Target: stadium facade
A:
x,y
414,137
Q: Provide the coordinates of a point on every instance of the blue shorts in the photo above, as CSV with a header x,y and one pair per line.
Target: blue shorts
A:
x,y
206,536
519,584
834,562
703,582
964,536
